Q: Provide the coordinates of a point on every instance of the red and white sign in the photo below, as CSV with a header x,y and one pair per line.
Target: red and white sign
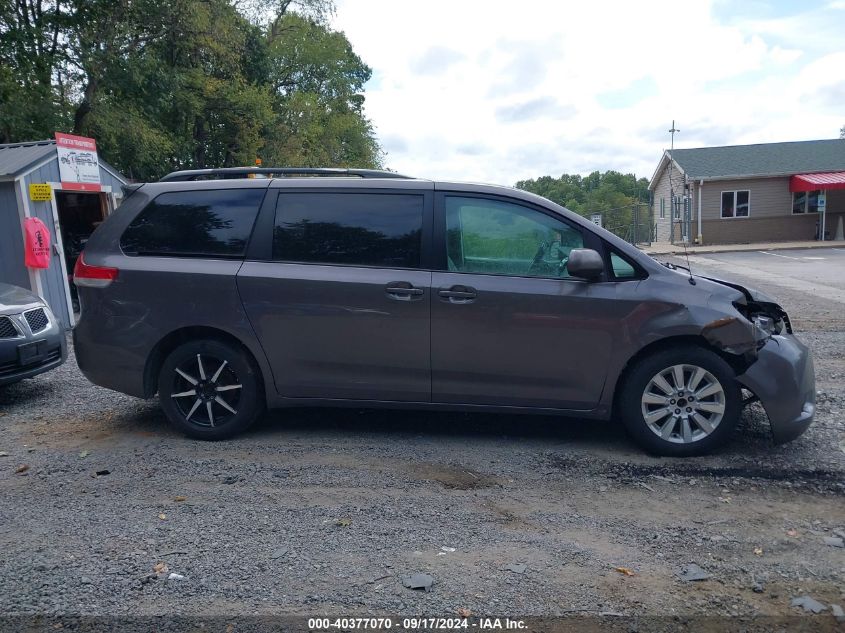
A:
x,y
79,166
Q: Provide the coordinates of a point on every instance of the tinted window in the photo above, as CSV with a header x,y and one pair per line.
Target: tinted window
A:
x,y
354,229
214,223
489,236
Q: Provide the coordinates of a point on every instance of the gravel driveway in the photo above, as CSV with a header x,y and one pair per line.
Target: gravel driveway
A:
x,y
325,511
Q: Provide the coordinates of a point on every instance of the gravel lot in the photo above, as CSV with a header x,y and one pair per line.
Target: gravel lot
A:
x,y
324,511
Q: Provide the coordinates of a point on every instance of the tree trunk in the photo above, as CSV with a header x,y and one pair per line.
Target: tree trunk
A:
x,y
199,140
84,108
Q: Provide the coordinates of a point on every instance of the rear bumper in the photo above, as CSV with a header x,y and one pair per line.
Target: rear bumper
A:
x,y
783,378
108,354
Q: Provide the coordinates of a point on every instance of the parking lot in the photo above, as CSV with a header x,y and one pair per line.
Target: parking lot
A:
x,y
325,511
818,272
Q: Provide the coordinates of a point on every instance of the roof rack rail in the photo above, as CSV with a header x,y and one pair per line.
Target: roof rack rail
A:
x,y
243,172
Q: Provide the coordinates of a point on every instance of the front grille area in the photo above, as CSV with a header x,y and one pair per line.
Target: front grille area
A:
x,y
7,330
7,369
37,320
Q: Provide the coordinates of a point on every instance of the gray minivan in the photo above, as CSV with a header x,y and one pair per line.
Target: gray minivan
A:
x,y
226,294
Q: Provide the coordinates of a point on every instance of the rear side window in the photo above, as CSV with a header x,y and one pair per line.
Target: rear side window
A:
x,y
355,229
212,223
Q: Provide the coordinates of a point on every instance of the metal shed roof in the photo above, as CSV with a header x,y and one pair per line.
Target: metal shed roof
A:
x,y
17,158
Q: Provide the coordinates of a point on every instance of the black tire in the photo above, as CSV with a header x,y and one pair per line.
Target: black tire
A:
x,y
190,413
631,404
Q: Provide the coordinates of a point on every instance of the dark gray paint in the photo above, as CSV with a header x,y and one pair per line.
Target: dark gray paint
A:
x,y
333,334
336,332
520,342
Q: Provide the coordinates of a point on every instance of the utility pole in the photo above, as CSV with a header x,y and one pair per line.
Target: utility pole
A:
x,y
672,132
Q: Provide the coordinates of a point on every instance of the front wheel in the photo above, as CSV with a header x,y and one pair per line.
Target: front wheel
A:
x,y
210,389
681,402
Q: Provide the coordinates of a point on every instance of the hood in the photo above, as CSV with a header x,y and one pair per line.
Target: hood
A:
x,y
751,294
13,297
758,303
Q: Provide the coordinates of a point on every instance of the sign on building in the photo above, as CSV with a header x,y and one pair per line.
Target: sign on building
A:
x,y
40,192
79,166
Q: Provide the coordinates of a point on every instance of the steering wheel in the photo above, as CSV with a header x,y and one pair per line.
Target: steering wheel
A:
x,y
561,269
542,268
537,265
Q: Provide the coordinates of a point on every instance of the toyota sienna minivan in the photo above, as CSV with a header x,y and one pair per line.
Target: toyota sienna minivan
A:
x,y
225,295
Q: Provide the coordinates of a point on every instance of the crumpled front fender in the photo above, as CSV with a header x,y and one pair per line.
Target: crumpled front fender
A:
x,y
783,378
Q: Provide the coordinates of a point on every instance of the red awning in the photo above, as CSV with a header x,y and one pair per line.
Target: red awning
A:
x,y
811,182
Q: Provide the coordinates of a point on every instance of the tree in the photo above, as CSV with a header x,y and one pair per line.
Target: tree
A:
x,y
611,193
842,132
30,51
317,81
186,83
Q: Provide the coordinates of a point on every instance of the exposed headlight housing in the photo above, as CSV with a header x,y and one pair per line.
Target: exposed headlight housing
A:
x,y
769,318
765,323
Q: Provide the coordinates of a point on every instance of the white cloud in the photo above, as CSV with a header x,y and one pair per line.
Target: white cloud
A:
x,y
501,91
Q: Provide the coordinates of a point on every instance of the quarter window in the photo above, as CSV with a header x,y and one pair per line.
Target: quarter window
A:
x,y
352,229
805,201
500,238
208,223
736,204
622,268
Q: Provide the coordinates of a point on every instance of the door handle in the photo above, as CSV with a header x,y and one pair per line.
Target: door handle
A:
x,y
458,294
402,291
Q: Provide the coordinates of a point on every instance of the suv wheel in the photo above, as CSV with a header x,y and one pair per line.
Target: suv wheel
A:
x,y
210,389
681,402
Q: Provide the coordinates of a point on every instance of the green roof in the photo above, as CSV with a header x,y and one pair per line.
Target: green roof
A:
x,y
764,159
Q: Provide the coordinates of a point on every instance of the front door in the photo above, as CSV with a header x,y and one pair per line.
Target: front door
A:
x,y
343,308
509,326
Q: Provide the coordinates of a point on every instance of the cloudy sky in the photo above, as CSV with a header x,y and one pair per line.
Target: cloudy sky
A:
x,y
496,91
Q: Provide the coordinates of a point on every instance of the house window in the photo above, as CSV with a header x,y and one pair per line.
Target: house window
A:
x,y
805,201
736,204
676,207
662,208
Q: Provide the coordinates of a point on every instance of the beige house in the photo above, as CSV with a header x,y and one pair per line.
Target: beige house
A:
x,y
749,193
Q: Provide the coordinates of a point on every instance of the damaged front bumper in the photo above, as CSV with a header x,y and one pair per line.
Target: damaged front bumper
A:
x,y
783,378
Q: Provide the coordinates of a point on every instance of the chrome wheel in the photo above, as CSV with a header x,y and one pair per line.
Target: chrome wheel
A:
x,y
206,391
683,404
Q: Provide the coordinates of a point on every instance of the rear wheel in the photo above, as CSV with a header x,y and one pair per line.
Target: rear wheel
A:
x,y
681,402
210,389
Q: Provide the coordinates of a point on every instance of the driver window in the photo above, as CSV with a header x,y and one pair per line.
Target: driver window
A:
x,y
500,238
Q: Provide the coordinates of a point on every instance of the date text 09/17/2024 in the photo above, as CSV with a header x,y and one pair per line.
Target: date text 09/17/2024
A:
x,y
416,624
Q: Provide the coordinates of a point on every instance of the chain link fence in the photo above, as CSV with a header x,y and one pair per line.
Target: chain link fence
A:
x,y
638,225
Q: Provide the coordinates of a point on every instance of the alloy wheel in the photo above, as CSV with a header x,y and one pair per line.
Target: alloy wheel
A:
x,y
206,391
683,404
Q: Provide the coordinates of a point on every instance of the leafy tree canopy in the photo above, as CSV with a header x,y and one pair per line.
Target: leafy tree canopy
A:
x,y
611,193
181,84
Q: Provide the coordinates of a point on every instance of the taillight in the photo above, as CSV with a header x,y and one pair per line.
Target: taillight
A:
x,y
92,276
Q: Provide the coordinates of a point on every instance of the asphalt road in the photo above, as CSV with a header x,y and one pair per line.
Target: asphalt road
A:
x,y
324,512
819,272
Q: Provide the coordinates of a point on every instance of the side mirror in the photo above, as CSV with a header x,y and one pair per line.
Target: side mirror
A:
x,y
585,263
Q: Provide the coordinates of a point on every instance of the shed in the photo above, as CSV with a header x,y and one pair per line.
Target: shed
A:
x,y
70,214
